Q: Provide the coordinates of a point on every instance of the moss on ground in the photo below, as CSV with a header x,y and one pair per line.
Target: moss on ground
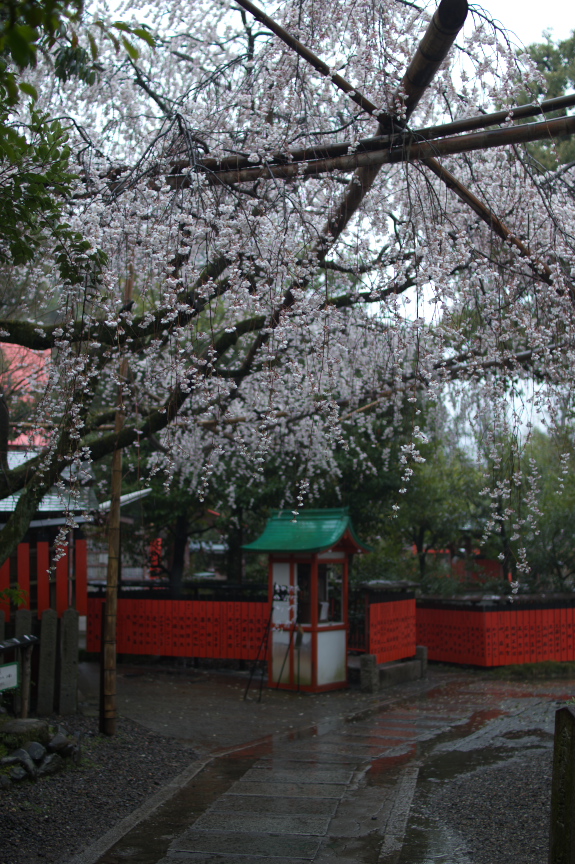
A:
x,y
536,671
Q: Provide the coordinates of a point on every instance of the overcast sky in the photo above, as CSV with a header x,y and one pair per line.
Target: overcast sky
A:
x,y
529,18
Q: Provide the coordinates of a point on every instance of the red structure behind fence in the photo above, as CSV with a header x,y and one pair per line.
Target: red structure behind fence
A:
x,y
392,630
65,586
185,628
497,637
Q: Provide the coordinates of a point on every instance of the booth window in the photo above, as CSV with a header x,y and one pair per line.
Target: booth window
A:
x,y
330,589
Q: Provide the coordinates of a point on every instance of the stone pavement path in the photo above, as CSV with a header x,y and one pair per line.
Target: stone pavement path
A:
x,y
340,792
339,796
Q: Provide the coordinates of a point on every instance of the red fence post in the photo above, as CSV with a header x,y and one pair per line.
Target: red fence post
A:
x,y
81,574
4,586
62,584
23,557
43,576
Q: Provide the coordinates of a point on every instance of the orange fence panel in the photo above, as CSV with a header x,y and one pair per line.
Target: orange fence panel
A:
x,y
184,628
392,630
497,637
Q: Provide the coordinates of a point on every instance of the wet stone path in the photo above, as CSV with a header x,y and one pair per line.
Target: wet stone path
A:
x,y
342,792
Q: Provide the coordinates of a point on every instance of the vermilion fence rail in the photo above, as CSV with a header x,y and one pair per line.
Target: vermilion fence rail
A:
x,y
392,630
65,586
184,628
497,637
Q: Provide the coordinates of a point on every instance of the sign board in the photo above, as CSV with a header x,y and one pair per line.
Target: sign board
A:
x,y
9,676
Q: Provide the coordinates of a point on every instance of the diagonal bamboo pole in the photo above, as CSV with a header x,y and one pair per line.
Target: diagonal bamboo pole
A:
x,y
433,48
540,268
446,23
440,35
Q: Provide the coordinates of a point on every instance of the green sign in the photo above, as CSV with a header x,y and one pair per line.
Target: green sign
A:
x,y
9,676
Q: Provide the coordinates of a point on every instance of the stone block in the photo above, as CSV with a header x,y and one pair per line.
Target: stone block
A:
x,y
369,674
398,673
421,653
17,732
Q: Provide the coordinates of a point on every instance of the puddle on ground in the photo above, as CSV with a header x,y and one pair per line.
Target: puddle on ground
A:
x,y
428,842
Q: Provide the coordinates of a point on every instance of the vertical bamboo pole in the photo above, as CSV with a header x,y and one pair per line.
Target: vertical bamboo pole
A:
x,y
108,710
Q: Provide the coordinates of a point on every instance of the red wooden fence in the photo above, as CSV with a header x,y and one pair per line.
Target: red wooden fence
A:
x,y
497,638
30,571
391,630
184,628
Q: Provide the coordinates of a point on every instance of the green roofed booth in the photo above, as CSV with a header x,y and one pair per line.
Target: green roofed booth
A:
x,y
309,560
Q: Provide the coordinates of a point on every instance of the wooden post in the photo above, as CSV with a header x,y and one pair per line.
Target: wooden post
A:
x,y
562,833
22,627
108,706
26,659
68,660
47,664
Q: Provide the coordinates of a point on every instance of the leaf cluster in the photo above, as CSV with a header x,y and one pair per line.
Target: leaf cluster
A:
x,y
556,61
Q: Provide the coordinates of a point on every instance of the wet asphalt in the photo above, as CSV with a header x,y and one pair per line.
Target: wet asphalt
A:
x,y
341,777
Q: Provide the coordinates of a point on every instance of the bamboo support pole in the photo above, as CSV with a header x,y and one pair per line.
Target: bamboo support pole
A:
x,y
108,709
411,152
447,21
542,270
481,121
404,138
437,40
433,48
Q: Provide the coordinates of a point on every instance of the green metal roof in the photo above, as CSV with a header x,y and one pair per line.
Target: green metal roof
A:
x,y
309,531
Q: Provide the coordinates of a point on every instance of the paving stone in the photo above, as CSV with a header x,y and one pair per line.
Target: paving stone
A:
x,y
206,858
292,790
247,823
338,849
360,752
330,753
274,805
357,738
307,758
300,775
225,843
387,733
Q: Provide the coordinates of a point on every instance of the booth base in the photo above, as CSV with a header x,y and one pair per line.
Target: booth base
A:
x,y
373,677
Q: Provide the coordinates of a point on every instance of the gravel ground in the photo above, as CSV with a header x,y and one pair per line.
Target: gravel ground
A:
x,y
495,813
55,817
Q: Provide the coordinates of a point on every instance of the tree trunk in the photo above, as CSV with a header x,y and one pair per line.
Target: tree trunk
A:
x,y
235,553
181,531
